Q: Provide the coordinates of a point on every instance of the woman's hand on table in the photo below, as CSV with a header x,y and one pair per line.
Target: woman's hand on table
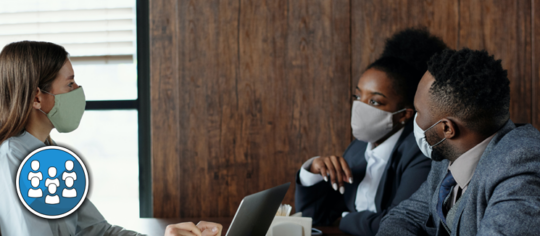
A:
x,y
203,228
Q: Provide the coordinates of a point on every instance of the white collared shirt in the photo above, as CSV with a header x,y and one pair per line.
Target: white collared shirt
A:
x,y
376,158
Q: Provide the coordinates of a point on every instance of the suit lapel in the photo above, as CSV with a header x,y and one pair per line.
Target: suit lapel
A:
x,y
391,165
443,167
473,185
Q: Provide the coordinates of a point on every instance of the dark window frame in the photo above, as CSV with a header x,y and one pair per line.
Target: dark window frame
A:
x,y
143,101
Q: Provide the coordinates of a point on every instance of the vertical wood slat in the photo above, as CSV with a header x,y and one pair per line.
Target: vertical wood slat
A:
x,y
164,99
226,170
262,35
535,67
243,92
317,80
373,21
208,63
503,28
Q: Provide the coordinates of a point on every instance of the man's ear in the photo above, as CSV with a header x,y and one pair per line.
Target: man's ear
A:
x,y
37,99
451,129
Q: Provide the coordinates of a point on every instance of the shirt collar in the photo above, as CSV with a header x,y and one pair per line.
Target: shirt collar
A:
x,y
27,137
463,167
384,150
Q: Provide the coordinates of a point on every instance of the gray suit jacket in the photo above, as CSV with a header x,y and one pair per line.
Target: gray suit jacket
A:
x,y
502,198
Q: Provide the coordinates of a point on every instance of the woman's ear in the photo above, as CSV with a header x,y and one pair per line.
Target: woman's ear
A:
x,y
407,115
37,99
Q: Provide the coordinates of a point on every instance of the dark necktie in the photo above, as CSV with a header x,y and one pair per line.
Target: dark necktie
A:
x,y
447,184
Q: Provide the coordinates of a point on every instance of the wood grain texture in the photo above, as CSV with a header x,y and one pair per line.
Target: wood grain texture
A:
x,y
535,67
244,91
313,113
373,21
251,90
503,28
164,97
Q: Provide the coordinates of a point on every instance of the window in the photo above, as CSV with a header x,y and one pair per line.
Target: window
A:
x,y
100,37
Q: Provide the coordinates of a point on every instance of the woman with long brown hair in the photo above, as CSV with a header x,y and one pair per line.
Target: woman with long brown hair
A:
x,y
38,92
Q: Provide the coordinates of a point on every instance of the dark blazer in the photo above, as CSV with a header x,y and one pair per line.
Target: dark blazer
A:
x,y
502,198
405,171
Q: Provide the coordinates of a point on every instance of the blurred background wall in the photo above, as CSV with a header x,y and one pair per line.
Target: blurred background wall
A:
x,y
244,91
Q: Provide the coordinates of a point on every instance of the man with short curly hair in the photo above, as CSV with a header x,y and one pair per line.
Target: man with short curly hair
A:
x,y
486,177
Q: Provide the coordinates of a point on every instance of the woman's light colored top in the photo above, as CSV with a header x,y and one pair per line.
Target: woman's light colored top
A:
x,y
15,219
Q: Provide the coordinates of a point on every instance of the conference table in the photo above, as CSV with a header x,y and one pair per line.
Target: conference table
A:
x,y
156,226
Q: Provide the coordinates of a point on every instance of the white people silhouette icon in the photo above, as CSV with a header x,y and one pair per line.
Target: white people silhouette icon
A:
x,y
35,176
58,181
52,184
69,178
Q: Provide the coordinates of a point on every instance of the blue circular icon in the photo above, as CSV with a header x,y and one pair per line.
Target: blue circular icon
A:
x,y
52,182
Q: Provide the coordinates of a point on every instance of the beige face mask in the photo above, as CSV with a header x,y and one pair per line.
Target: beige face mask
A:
x,y
370,124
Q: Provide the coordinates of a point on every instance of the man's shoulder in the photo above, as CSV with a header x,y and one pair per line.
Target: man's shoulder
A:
x,y
513,154
522,135
521,142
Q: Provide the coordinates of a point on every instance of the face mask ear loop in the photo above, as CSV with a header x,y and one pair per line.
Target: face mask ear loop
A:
x,y
402,110
438,142
47,92
429,129
432,126
42,90
42,111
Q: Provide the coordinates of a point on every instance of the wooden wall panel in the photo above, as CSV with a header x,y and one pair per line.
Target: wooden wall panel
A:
x,y
164,96
257,88
535,67
228,150
244,91
313,112
373,21
208,61
503,28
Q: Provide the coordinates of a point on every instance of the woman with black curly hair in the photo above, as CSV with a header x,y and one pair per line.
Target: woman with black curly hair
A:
x,y
383,165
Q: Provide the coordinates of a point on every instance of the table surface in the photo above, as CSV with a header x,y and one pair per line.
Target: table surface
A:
x,y
156,226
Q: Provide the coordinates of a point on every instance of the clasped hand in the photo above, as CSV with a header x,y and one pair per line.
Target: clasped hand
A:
x,y
189,229
334,166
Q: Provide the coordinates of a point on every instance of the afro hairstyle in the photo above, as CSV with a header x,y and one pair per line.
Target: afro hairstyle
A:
x,y
405,58
472,86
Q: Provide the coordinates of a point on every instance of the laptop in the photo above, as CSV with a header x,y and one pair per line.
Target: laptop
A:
x,y
257,211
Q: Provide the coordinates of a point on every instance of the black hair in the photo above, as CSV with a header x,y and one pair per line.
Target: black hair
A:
x,y
404,60
472,86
